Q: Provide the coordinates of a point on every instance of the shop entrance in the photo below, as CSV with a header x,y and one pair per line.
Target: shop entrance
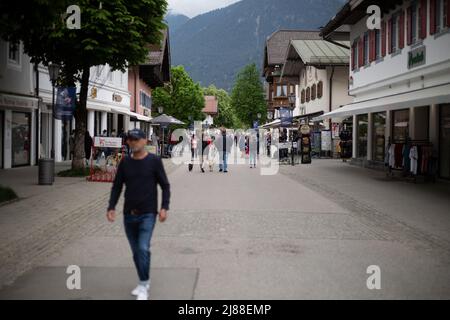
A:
x,y
2,120
21,138
444,142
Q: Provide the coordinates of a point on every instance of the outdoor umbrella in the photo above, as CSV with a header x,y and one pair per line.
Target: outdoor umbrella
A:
x,y
165,120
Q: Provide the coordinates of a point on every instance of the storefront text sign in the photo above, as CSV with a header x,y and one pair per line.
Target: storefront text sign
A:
x,y
107,142
16,101
416,57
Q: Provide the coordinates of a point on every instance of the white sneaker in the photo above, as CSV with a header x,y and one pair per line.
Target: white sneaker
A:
x,y
136,290
142,293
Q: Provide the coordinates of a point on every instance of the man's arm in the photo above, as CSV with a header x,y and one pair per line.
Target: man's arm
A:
x,y
161,177
117,186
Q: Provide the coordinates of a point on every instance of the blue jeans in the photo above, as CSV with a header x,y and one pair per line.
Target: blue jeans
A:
x,y
139,230
223,165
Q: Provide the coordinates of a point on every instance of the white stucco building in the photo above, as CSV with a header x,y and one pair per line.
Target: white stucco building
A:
x,y
399,77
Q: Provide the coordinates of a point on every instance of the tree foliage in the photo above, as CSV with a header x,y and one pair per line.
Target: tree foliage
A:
x,y
182,98
115,32
247,96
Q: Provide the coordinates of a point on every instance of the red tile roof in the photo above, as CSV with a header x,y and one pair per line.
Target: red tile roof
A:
x,y
211,105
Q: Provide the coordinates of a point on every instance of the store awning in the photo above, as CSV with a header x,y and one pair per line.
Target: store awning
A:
x,y
140,117
417,98
274,124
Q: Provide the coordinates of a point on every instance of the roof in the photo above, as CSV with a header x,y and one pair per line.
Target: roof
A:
x,y
211,105
278,42
322,52
156,51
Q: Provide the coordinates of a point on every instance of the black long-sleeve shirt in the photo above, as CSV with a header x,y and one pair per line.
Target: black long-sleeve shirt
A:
x,y
141,178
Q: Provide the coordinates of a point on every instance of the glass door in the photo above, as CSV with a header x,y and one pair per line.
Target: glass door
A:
x,y
444,142
1,138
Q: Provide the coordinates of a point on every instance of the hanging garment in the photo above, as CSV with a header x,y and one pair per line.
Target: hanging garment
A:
x,y
426,156
413,156
392,156
398,155
406,160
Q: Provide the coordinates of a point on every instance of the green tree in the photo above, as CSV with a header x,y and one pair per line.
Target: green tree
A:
x,y
115,32
182,98
247,96
226,116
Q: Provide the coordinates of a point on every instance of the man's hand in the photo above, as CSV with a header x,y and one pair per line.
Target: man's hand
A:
x,y
111,215
162,215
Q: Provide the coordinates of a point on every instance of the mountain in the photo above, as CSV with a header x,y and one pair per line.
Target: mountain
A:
x,y
214,46
175,21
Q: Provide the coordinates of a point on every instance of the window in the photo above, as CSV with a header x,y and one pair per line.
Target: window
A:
x,y
145,100
393,34
377,44
308,94
313,92
281,90
110,75
366,48
414,24
440,15
355,55
14,52
99,71
362,122
400,125
303,96
320,89
378,136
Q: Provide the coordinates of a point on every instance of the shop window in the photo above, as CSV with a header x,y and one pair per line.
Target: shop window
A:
x,y
379,136
362,122
320,89
313,92
400,125
21,138
308,94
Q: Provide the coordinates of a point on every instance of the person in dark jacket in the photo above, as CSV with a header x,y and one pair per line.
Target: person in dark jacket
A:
x,y
224,143
87,146
141,172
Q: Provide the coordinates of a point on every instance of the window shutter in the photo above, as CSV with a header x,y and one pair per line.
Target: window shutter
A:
x,y
401,30
423,19
353,56
409,26
361,52
383,38
390,36
433,16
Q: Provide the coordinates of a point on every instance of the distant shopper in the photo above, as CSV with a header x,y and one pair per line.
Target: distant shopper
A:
x,y
252,149
141,173
224,144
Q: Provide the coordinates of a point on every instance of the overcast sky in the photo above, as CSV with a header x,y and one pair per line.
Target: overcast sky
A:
x,y
192,8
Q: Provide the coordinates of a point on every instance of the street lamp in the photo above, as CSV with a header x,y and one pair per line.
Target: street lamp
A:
x,y
160,109
53,72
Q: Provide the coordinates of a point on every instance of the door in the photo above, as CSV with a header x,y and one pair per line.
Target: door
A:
x,y
21,138
2,120
444,142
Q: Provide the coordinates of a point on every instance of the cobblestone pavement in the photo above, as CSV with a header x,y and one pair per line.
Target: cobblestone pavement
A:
x,y
309,232
46,218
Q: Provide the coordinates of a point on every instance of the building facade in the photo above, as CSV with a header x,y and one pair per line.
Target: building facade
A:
x,y
399,78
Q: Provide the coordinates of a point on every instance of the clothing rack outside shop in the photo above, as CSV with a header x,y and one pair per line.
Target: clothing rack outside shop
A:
x,y
413,158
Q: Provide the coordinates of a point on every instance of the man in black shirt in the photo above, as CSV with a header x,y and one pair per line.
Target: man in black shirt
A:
x,y
141,173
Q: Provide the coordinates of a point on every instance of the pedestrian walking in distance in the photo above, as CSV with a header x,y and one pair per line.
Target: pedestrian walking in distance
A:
x,y
141,173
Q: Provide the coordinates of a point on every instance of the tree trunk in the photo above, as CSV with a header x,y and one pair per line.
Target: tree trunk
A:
x,y
80,122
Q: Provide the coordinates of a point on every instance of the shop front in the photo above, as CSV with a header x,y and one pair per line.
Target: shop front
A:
x,y
444,141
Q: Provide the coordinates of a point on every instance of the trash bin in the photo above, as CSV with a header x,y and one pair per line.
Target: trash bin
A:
x,y
46,171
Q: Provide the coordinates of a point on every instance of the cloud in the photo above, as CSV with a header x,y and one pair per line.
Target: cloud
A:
x,y
192,8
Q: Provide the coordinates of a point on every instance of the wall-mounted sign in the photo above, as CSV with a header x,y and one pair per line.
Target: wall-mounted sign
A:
x,y
117,97
417,57
94,93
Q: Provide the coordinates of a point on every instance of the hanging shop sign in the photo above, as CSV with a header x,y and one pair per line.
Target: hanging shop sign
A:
x,y
65,103
305,129
285,117
117,97
305,148
416,57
